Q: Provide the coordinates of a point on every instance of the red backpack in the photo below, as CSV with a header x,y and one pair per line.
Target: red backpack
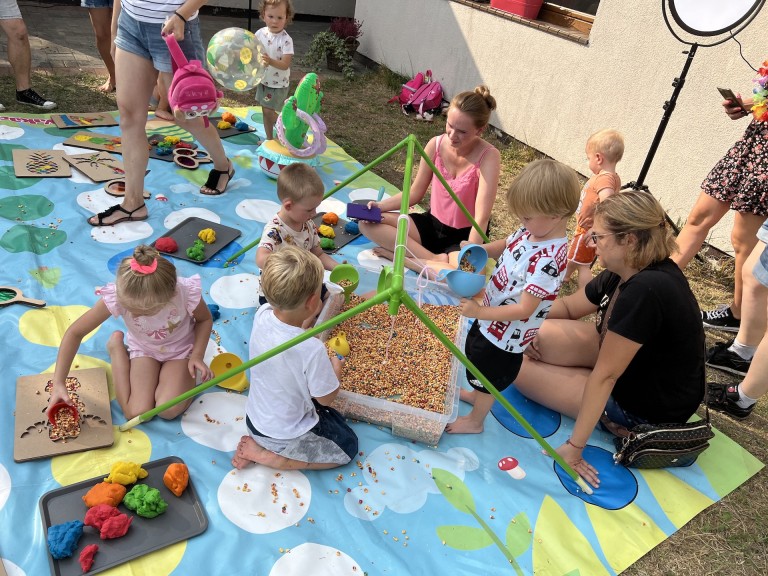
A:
x,y
421,95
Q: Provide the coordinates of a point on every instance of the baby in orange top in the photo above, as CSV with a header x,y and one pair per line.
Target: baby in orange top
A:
x,y
604,150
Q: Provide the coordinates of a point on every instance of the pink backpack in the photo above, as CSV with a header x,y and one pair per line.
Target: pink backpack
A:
x,y
192,92
422,96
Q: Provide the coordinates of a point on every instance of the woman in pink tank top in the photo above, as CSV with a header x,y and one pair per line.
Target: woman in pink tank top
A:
x,y
470,166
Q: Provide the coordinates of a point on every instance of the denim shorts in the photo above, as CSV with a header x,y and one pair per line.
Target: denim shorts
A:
x,y
9,10
144,39
618,415
96,3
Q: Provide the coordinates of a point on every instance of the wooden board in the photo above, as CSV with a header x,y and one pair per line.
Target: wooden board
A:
x,y
98,166
95,141
40,164
65,121
30,439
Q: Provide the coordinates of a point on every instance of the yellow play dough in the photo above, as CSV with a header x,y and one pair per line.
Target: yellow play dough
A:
x,y
132,445
46,326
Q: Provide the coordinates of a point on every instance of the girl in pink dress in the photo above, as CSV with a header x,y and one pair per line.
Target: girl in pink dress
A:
x,y
469,164
168,326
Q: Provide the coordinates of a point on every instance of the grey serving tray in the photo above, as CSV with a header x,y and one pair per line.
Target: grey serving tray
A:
x,y
185,234
184,518
342,238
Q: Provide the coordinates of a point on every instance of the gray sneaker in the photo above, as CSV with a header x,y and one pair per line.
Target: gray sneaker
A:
x,y
32,98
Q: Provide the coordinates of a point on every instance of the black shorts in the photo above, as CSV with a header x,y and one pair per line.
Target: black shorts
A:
x,y
498,366
437,237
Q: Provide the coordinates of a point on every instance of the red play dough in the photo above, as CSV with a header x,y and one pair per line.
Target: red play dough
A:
x,y
86,557
116,526
167,245
97,515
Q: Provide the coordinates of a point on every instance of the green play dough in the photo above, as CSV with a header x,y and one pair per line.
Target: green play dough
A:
x,y
25,207
197,251
23,238
145,501
327,243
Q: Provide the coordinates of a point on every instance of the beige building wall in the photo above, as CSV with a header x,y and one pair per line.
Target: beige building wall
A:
x,y
330,8
553,92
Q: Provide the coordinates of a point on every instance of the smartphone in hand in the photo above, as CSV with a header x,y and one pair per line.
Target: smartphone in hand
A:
x,y
728,94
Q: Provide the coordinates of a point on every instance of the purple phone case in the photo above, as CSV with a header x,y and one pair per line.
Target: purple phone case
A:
x,y
360,212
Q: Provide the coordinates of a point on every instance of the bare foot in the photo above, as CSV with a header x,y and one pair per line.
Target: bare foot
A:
x,y
383,253
239,463
107,87
468,396
249,451
464,425
164,115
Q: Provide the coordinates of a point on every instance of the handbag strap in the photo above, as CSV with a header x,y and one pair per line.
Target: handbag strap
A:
x,y
607,315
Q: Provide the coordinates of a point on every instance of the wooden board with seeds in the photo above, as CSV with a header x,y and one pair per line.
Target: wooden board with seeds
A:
x,y
40,164
34,437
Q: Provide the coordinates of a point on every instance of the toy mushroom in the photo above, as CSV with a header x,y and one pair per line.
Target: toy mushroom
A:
x,y
512,467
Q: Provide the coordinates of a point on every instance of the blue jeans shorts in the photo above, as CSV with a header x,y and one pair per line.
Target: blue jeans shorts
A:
x,y
760,271
96,3
144,39
9,10
618,415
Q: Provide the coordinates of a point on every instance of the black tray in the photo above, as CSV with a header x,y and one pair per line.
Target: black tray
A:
x,y
185,234
184,518
342,238
232,131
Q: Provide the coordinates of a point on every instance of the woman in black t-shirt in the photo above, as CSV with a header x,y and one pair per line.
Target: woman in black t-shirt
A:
x,y
643,361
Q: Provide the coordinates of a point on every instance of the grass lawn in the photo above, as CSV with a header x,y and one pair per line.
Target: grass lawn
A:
x,y
731,537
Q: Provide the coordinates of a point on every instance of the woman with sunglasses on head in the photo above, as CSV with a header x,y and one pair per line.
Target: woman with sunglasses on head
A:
x,y
643,361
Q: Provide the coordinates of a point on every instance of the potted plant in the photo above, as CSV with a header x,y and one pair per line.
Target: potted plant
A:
x,y
336,46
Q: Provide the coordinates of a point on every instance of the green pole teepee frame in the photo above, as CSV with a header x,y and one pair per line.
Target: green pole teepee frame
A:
x,y
390,289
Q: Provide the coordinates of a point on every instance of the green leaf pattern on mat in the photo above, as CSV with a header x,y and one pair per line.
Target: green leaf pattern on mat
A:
x,y
47,277
25,207
10,182
464,537
23,238
519,536
454,490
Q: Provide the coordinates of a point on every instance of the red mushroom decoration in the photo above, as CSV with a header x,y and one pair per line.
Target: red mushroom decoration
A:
x,y
512,467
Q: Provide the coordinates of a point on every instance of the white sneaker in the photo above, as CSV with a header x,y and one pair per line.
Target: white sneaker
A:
x,y
2,108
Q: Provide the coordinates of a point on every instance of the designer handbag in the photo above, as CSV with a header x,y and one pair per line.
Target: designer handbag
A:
x,y
663,445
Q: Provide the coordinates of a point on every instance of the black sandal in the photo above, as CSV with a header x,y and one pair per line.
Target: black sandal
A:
x,y
213,180
129,217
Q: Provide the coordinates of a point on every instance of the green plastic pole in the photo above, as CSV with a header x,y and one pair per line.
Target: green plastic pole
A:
x,y
445,184
241,252
398,266
362,307
367,167
413,307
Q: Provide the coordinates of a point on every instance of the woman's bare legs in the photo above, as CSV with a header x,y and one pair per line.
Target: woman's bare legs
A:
x,y
135,79
569,350
706,212
101,20
208,138
385,235
249,451
743,240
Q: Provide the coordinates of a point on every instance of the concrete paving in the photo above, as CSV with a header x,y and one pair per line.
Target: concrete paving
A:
x,y
62,40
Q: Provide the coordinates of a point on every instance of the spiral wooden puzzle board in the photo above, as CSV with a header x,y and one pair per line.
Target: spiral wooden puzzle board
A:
x,y
30,438
40,164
